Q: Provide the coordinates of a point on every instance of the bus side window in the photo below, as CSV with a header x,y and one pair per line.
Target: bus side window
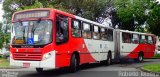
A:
x,y
126,37
61,29
96,34
135,38
150,40
143,39
87,31
110,35
76,29
103,34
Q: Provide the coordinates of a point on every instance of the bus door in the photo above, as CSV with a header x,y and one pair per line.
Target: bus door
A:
x,y
150,46
144,44
62,37
126,46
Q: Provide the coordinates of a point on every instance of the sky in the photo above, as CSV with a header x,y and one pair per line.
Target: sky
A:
x,y
1,11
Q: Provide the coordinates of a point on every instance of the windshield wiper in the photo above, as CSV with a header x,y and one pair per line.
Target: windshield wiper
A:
x,y
34,28
20,21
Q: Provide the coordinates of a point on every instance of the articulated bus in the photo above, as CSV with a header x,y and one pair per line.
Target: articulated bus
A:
x,y
50,38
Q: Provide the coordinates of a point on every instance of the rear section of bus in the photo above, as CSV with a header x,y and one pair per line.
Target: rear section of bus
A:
x,y
135,45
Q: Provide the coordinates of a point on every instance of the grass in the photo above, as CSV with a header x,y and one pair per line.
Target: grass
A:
x,y
152,67
157,56
4,63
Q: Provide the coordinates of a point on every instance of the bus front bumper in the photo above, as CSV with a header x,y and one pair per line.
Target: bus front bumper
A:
x,y
45,63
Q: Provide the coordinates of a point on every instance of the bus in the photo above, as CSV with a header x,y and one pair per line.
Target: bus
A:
x,y
50,38
134,45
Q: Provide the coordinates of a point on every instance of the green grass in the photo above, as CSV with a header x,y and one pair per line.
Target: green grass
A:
x,y
4,63
157,56
152,67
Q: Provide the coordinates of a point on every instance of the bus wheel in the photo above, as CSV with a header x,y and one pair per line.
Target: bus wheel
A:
x,y
74,64
140,57
39,70
109,59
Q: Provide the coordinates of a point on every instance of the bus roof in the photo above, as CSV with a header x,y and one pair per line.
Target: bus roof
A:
x,y
92,22
83,19
134,32
68,14
33,9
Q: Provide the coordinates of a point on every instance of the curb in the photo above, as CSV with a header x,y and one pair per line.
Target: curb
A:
x,y
10,67
155,58
152,58
148,71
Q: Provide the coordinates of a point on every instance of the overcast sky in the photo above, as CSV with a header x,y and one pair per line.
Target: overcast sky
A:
x,y
1,11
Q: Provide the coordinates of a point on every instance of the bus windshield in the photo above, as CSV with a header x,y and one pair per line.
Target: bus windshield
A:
x,y
37,32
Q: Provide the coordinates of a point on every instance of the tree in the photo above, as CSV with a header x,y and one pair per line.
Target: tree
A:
x,y
131,13
0,26
153,21
90,9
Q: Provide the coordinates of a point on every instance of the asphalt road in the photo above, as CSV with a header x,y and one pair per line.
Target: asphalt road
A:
x,y
123,69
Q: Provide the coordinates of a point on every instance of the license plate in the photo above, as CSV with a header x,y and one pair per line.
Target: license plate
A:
x,y
26,65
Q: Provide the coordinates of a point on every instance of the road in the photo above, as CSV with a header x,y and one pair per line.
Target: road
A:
x,y
123,69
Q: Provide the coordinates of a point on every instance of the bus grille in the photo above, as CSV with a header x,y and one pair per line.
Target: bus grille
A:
x,y
31,56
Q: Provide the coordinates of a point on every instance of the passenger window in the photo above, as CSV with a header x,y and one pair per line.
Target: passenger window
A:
x,y
150,40
87,30
103,34
110,35
76,29
96,34
143,39
61,29
126,37
135,38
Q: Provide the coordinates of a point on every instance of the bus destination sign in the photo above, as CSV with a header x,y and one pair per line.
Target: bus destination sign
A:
x,y
31,14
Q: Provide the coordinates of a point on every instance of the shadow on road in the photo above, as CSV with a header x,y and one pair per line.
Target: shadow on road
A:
x,y
46,73
131,61
59,72
64,71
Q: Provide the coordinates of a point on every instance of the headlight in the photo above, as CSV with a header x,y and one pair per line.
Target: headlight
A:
x,y
11,56
46,56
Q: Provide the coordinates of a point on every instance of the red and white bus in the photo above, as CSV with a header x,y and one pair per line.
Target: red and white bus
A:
x,y
50,38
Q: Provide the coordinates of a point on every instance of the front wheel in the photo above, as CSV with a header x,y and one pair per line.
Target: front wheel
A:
x,y
39,70
74,64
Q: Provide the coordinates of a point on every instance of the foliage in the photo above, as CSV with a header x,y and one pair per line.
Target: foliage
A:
x,y
4,37
153,21
1,39
89,9
37,4
131,13
157,56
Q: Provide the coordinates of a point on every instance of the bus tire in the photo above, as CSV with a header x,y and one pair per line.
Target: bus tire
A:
x,y
74,64
39,70
140,57
109,59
